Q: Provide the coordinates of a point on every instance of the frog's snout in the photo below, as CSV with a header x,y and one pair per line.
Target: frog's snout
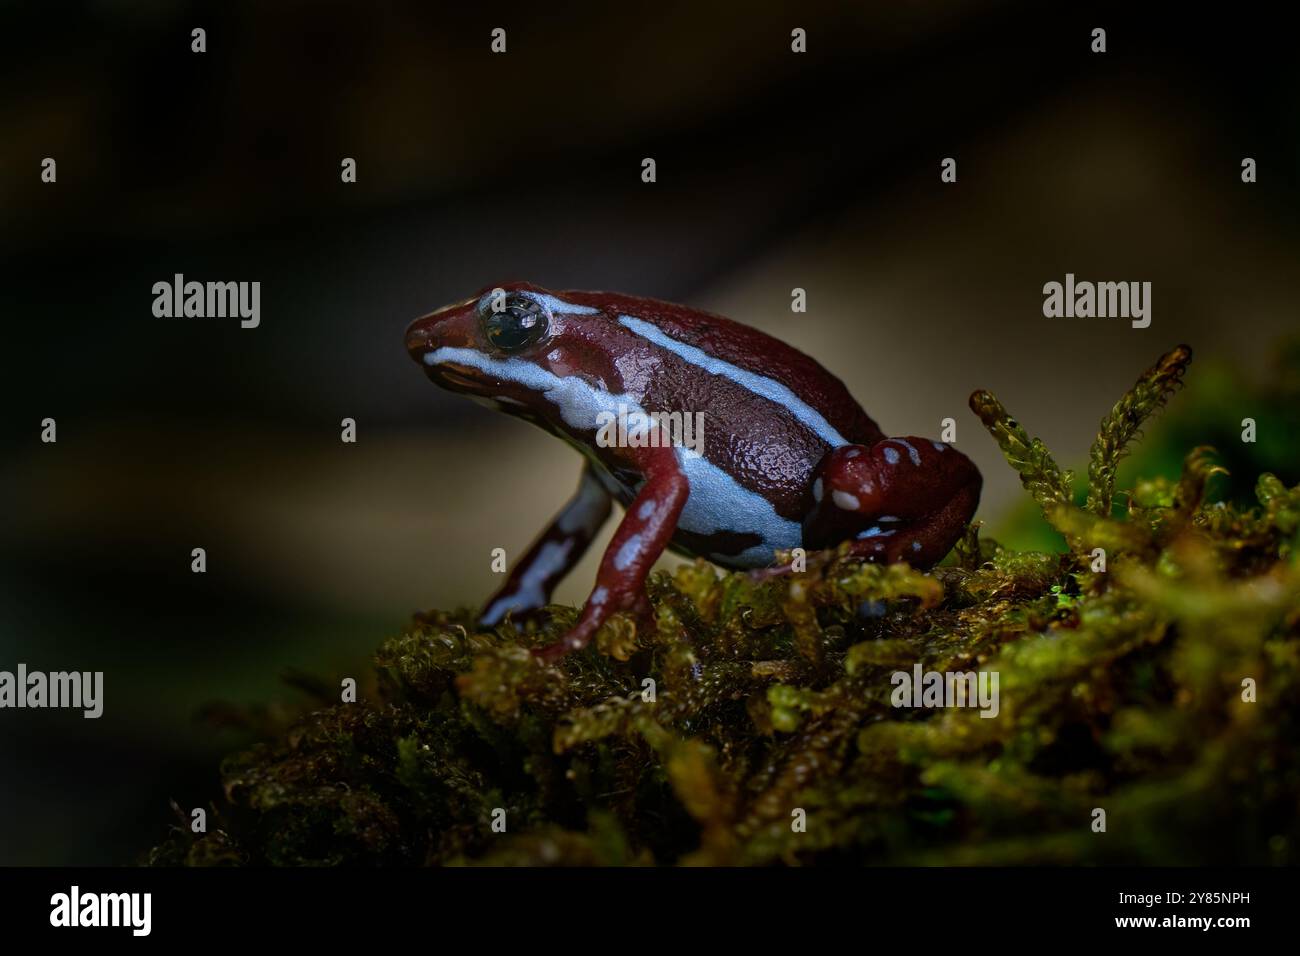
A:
x,y
420,339
453,325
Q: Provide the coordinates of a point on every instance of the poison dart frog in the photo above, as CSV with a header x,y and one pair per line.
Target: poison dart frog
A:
x,y
788,458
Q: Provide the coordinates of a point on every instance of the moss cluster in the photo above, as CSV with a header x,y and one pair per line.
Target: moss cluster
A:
x,y
1158,682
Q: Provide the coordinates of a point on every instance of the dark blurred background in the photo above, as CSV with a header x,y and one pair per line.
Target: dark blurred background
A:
x,y
775,170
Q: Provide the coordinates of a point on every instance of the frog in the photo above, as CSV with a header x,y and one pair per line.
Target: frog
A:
x,y
783,457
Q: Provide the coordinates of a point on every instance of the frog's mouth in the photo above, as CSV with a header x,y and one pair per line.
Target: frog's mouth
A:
x,y
457,378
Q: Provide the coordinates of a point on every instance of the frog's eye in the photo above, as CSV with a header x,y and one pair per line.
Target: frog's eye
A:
x,y
514,322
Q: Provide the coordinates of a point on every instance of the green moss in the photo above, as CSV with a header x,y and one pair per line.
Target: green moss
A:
x,y
1119,689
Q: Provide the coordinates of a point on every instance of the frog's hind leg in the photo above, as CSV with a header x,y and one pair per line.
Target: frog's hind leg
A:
x,y
642,535
901,499
552,555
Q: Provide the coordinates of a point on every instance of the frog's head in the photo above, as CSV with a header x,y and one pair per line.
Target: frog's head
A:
x,y
514,344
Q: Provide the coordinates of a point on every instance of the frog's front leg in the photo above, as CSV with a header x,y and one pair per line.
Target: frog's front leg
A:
x,y
901,499
642,535
552,555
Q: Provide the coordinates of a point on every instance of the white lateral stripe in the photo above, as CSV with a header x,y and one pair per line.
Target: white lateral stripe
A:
x,y
768,388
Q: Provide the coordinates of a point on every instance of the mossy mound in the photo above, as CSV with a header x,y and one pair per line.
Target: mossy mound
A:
x,y
1164,690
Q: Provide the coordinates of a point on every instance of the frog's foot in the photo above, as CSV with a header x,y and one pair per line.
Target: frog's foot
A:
x,y
767,574
592,619
812,560
901,499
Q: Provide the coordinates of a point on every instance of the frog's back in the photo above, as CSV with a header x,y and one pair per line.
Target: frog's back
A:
x,y
733,349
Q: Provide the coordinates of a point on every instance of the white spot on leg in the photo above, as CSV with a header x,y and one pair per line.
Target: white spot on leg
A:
x,y
916,545
912,452
627,553
874,532
845,500
853,453
647,508
891,455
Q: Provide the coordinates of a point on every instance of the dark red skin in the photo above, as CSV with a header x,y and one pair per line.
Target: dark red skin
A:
x,y
926,492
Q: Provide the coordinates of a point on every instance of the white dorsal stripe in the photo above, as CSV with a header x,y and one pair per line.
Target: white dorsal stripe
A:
x,y
768,388
556,305
716,500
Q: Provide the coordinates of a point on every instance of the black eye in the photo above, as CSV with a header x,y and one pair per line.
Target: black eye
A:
x,y
512,322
